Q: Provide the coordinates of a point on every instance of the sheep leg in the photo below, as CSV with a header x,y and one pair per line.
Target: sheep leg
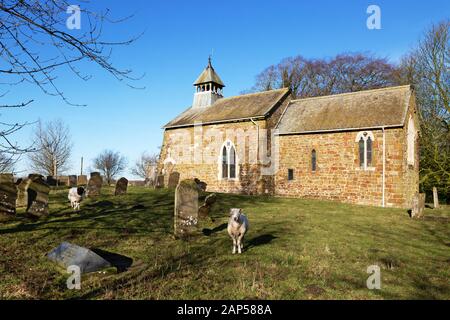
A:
x,y
239,243
234,245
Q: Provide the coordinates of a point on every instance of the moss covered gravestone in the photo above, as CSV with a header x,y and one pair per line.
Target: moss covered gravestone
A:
x,y
186,208
38,191
8,195
95,184
121,187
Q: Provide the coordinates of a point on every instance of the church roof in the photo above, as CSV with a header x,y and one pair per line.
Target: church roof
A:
x,y
209,75
377,108
243,107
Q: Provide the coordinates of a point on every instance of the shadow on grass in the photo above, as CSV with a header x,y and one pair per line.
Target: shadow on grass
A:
x,y
208,232
120,262
261,240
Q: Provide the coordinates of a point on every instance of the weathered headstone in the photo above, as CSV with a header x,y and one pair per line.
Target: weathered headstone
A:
x,y
82,180
201,184
435,198
121,187
63,181
160,181
174,178
8,195
418,205
186,208
51,181
95,184
22,192
68,254
73,181
205,209
38,191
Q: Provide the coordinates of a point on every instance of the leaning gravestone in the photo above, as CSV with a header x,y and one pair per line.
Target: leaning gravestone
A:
x,y
174,178
38,191
67,254
8,195
121,187
95,184
22,192
186,208
205,209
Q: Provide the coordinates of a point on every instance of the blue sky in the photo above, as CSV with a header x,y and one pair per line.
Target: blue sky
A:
x,y
246,36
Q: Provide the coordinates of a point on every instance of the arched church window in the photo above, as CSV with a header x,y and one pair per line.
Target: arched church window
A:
x,y
365,148
228,161
411,139
313,160
224,163
369,151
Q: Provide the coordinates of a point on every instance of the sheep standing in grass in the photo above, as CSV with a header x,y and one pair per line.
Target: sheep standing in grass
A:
x,y
237,228
76,195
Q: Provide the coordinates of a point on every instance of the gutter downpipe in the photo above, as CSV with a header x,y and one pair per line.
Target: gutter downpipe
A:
x,y
384,169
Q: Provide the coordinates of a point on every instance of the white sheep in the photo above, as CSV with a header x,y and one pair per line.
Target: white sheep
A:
x,y
237,228
76,195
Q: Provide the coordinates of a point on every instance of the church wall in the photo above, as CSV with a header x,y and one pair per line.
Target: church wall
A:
x,y
180,146
339,176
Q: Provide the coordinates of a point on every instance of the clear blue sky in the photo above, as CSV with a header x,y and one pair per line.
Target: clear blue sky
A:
x,y
246,36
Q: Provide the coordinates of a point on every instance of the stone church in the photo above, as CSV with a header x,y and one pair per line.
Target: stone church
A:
x,y
359,147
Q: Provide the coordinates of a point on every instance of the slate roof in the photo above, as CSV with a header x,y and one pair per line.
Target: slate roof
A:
x,y
243,107
209,75
357,110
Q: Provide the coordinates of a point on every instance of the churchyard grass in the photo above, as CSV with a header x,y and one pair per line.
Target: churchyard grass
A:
x,y
295,249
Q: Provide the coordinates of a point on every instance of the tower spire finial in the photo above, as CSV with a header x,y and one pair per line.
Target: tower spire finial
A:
x,y
209,61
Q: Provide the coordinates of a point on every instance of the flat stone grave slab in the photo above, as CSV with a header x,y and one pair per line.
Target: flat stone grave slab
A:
x,y
68,254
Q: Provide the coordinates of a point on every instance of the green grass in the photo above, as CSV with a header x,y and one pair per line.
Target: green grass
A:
x,y
295,249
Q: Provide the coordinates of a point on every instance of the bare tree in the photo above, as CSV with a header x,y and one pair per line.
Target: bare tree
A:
x,y
7,162
53,148
428,68
35,42
317,77
110,164
145,167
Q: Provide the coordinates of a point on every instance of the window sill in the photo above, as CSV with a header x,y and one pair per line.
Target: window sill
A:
x,y
366,169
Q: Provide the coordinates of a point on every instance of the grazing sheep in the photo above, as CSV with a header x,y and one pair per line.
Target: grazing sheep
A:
x,y
76,195
237,228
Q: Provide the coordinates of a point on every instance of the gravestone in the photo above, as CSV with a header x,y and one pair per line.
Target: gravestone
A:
x,y
73,181
95,184
186,208
435,198
8,195
201,184
51,181
82,180
160,181
174,178
205,209
22,192
418,205
63,181
121,187
68,254
38,191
